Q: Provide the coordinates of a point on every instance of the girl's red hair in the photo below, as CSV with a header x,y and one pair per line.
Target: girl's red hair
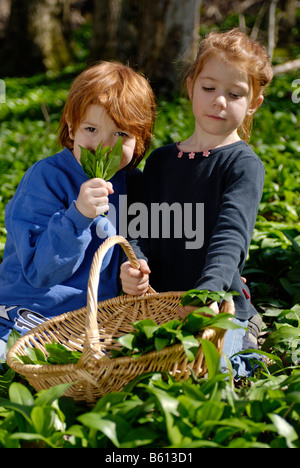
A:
x,y
237,48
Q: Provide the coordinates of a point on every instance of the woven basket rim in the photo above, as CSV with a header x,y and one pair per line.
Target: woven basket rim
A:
x,y
57,369
20,367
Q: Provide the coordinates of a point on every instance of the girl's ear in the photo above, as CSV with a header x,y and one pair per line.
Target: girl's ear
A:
x,y
255,104
190,87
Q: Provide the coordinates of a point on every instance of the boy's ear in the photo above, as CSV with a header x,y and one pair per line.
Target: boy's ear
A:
x,y
70,130
256,104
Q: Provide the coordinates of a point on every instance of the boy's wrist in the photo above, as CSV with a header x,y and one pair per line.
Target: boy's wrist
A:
x,y
80,221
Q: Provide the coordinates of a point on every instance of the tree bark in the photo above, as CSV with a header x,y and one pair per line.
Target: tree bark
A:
x,y
37,37
153,37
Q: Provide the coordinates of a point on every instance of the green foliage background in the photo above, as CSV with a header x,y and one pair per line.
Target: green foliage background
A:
x,y
155,411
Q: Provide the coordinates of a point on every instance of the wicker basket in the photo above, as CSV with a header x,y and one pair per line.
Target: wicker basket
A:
x,y
93,330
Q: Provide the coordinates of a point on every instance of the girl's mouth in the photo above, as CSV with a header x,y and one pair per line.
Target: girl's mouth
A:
x,y
215,117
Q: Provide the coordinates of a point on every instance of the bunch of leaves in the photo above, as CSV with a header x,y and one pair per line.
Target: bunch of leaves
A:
x,y
149,336
56,354
102,163
203,297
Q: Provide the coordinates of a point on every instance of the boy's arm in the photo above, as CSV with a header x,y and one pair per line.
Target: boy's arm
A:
x,y
50,243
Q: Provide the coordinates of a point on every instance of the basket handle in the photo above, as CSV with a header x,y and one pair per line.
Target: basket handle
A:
x,y
91,325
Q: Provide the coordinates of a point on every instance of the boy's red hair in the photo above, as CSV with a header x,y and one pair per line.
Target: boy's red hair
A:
x,y
126,96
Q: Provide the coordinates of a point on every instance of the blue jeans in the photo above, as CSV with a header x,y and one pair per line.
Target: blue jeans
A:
x,y
235,341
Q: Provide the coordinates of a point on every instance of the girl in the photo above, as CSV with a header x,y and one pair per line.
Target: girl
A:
x,y
55,220
214,170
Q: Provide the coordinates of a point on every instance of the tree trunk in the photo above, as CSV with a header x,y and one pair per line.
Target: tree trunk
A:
x,y
153,37
37,37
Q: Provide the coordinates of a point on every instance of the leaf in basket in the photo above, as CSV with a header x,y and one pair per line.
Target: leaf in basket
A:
x,y
161,343
171,325
128,341
36,356
196,321
146,326
33,356
58,354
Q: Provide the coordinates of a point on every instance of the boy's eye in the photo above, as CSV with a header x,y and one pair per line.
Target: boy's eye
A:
x,y
121,134
91,129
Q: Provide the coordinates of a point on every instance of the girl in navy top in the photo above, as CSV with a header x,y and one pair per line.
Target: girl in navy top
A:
x,y
208,186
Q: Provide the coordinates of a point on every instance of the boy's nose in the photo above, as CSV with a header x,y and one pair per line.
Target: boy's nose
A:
x,y
107,141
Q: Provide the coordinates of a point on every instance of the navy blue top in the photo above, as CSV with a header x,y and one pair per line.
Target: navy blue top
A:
x,y
214,202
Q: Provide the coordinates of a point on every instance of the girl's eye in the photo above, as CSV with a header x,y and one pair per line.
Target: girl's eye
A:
x,y
235,96
205,88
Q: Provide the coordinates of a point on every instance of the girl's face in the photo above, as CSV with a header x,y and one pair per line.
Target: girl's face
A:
x,y
98,126
221,99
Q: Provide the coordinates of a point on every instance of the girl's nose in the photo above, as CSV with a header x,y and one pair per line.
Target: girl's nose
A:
x,y
220,101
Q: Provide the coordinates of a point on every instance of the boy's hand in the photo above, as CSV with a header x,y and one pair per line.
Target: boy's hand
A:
x,y
135,282
92,200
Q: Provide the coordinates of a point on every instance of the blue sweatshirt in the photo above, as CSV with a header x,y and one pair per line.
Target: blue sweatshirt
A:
x,y
50,244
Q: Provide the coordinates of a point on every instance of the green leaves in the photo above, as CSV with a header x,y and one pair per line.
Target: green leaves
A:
x,y
28,421
148,336
57,354
102,163
201,298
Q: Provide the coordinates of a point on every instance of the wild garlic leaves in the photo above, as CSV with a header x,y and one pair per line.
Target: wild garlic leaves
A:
x,y
102,163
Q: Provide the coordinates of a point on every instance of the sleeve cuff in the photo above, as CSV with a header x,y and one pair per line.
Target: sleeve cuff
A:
x,y
79,220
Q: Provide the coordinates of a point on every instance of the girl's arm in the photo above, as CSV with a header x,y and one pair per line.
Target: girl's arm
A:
x,y
231,238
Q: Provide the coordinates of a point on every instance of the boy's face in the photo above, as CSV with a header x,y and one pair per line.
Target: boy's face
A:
x,y
98,126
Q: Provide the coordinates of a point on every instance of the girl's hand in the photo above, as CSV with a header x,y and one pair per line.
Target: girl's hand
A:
x,y
92,200
183,311
135,282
